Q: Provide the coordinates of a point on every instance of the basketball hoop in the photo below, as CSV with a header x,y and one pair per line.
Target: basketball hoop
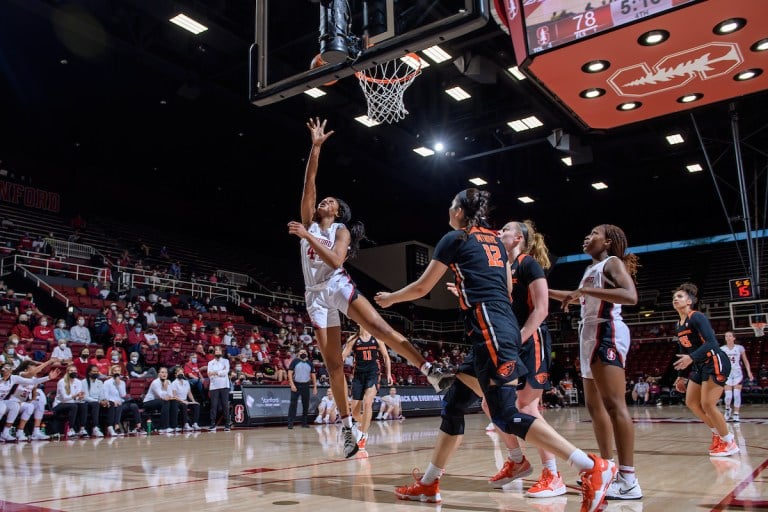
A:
x,y
384,84
758,328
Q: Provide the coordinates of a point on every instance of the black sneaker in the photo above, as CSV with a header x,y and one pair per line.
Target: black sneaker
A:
x,y
227,428
439,378
350,443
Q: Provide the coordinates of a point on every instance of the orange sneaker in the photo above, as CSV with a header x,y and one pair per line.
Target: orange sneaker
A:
x,y
418,491
549,485
361,442
595,483
715,441
510,471
724,449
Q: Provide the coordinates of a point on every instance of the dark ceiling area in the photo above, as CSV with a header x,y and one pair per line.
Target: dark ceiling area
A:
x,y
132,117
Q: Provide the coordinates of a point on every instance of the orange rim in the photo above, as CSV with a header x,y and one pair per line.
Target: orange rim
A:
x,y
388,81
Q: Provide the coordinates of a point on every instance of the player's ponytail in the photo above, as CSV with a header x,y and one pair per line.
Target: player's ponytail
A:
x,y
475,204
357,234
356,228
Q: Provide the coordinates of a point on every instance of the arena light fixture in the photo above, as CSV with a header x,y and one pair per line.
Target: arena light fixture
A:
x,y
314,92
188,23
478,182
367,121
599,185
423,151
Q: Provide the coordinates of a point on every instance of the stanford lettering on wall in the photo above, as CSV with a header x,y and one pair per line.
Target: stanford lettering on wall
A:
x,y
31,197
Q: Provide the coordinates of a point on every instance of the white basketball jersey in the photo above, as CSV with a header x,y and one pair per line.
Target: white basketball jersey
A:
x,y
594,310
316,271
734,356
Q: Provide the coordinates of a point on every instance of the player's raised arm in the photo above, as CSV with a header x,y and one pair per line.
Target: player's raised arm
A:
x,y
309,195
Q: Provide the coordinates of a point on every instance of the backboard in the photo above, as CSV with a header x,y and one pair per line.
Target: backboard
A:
x,y
287,38
746,312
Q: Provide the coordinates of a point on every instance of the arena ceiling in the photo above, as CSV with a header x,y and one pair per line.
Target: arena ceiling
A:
x,y
132,117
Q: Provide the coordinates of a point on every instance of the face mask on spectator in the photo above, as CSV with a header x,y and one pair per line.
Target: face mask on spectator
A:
x,y
193,360
115,359
62,325
43,323
134,360
11,351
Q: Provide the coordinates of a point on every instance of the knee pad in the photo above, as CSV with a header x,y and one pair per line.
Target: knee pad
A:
x,y
501,404
456,402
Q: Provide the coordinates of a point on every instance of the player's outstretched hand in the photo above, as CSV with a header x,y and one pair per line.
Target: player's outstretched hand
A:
x,y
317,129
298,229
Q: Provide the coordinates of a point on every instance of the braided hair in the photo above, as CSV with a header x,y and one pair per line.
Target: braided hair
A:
x,y
618,248
475,204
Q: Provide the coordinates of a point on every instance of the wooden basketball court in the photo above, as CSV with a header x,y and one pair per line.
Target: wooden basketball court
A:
x,y
273,468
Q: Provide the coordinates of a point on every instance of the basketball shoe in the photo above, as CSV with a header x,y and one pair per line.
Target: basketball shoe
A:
x,y
439,378
418,491
350,443
361,442
727,414
549,485
595,482
491,427
620,489
715,441
724,449
510,471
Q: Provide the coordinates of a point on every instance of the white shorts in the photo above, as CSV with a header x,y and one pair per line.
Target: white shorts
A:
x,y
608,341
736,376
323,306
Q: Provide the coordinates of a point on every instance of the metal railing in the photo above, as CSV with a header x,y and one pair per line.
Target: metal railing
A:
x,y
70,249
235,278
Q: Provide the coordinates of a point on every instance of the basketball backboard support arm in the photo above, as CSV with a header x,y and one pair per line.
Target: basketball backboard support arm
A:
x,y
262,91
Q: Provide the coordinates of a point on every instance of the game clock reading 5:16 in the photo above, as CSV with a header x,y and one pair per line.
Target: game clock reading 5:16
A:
x,y
741,288
626,11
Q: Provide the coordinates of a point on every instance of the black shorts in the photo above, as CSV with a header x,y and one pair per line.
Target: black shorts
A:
x,y
361,381
717,367
495,336
536,354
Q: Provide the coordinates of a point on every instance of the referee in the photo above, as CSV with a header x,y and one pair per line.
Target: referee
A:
x,y
300,373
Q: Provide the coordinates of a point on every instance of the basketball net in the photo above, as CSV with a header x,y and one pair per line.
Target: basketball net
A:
x,y
383,86
758,328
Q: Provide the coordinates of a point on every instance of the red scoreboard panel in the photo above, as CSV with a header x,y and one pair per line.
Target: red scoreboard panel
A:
x,y
554,41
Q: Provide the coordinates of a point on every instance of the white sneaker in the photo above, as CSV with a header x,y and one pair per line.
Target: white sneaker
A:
x,y
195,426
83,433
620,489
111,432
735,418
71,433
21,436
727,415
177,429
39,436
439,378
187,428
319,419
96,432
7,437
491,427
